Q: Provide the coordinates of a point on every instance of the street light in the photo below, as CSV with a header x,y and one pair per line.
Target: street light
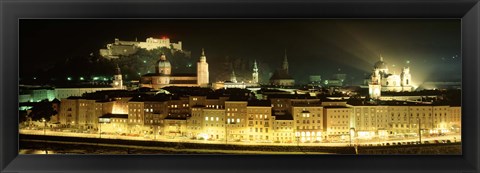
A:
x,y
44,126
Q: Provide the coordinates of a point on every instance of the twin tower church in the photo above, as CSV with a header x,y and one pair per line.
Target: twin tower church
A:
x,y
164,77
382,80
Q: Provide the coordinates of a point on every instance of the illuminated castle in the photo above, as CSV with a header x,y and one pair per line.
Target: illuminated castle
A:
x,y
163,76
125,48
382,80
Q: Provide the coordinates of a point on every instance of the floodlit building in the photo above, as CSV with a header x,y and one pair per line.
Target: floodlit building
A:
x,y
113,124
236,120
260,121
315,79
79,113
117,79
284,129
125,48
280,118
337,123
175,127
164,77
382,80
281,77
455,120
370,121
202,71
213,124
308,116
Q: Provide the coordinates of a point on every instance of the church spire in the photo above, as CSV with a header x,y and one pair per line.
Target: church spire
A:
x,y
285,62
255,72
117,78
202,70
118,72
381,57
203,58
233,78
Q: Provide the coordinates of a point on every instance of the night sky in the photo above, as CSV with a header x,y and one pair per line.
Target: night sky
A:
x,y
321,46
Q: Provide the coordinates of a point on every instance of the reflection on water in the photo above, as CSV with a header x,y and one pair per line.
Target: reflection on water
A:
x,y
32,151
77,151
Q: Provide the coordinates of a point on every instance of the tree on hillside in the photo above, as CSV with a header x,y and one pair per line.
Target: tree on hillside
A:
x,y
144,61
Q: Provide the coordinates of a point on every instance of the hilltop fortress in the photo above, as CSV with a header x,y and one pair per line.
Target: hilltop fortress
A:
x,y
125,48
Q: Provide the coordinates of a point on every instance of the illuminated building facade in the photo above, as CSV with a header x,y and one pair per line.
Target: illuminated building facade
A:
x,y
283,129
163,76
125,48
382,80
373,120
236,120
113,123
279,120
117,79
308,116
213,124
202,70
260,121
337,122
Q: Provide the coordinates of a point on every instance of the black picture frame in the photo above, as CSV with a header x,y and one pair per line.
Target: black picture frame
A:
x,y
12,11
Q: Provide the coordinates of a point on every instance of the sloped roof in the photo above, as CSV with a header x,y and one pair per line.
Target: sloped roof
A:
x,y
125,116
280,74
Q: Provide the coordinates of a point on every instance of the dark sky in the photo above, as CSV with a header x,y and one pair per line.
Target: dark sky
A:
x,y
320,46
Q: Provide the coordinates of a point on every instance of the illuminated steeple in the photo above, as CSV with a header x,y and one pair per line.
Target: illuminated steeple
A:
x,y
202,70
285,62
255,72
203,58
117,78
233,78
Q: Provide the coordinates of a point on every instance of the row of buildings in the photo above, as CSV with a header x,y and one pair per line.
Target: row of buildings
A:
x,y
235,116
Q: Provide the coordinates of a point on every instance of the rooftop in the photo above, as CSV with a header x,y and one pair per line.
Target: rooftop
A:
x,y
124,116
280,74
263,103
283,117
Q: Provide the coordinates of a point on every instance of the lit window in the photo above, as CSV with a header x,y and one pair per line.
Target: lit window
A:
x,y
206,118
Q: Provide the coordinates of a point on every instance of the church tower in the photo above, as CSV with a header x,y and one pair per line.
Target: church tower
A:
x,y
117,79
375,87
406,79
233,78
285,63
202,70
255,72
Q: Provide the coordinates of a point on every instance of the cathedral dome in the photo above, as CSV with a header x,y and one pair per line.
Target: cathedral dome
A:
x,y
163,63
380,65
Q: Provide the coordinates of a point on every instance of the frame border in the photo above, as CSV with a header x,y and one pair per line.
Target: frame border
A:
x,y
12,11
